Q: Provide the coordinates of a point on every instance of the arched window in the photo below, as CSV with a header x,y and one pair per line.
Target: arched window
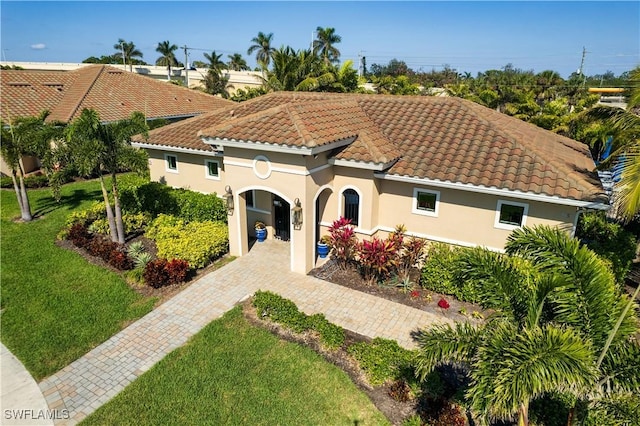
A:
x,y
351,201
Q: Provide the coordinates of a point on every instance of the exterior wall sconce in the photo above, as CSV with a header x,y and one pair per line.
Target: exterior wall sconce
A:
x,y
228,198
296,214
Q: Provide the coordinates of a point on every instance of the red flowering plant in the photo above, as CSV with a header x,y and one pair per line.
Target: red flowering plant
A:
x,y
342,241
378,258
415,294
442,303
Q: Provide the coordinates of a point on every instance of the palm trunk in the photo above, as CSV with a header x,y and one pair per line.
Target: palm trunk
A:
x,y
25,208
14,177
116,200
107,206
168,72
523,415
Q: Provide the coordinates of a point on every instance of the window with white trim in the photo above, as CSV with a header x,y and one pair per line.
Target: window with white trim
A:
x,y
425,202
212,169
351,205
171,163
511,215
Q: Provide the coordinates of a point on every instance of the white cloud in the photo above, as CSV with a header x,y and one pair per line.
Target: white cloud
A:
x,y
38,46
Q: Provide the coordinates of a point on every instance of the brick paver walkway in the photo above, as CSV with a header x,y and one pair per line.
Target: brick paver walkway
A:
x,y
92,380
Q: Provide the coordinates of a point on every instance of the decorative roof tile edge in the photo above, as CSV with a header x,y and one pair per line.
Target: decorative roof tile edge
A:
x,y
361,164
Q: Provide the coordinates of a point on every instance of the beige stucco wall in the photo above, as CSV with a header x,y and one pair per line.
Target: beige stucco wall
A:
x,y
463,217
191,173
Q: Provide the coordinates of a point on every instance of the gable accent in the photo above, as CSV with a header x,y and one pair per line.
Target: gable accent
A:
x,y
265,146
495,191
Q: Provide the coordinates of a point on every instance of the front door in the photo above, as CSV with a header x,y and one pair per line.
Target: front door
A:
x,y
281,215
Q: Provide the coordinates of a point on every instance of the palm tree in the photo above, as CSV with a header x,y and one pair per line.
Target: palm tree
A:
x,y
215,63
626,149
560,326
128,49
262,46
323,45
26,136
95,147
168,58
237,62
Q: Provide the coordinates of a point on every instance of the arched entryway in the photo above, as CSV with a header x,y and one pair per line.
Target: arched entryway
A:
x,y
321,199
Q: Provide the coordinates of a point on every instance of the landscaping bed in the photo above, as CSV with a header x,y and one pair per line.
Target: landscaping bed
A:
x,y
418,298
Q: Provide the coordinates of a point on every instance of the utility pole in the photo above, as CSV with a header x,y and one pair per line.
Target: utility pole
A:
x,y
581,70
186,65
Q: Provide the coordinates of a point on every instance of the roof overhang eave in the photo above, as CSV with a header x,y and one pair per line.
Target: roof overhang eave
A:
x,y
530,196
272,147
376,167
170,148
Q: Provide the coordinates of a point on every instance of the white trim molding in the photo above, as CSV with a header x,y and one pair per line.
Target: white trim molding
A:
x,y
261,159
530,196
284,170
509,227
167,163
176,149
424,212
207,175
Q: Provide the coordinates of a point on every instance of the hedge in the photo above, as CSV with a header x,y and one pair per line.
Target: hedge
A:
x,y
198,243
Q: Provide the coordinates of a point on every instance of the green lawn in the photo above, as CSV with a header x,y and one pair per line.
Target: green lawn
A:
x,y
55,305
232,373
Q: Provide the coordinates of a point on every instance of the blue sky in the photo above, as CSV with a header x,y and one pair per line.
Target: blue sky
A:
x,y
468,36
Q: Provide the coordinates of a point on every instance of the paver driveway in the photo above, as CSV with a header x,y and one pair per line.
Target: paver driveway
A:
x,y
92,380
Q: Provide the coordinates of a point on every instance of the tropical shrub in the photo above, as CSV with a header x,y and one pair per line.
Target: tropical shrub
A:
x,y
411,255
377,258
609,240
285,312
196,242
155,273
35,181
280,310
439,270
162,272
342,241
87,216
156,198
382,360
133,223
79,235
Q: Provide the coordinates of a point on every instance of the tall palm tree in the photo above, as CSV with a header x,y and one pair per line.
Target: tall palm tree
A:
x,y
560,326
129,50
262,46
323,45
168,58
26,136
237,62
95,147
215,62
214,82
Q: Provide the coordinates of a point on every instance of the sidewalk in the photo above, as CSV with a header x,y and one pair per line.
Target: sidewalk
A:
x,y
21,401
94,379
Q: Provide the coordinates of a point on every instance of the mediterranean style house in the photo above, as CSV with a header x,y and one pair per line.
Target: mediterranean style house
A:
x,y
112,92
448,169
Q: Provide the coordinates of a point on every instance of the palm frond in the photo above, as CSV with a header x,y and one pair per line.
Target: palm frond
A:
x,y
443,344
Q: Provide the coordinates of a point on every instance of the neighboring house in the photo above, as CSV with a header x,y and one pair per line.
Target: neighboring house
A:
x,y
448,169
112,92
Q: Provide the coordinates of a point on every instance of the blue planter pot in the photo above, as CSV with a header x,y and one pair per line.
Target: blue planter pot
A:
x,y
323,250
261,234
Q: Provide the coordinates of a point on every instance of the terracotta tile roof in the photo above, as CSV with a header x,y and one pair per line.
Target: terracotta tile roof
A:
x,y
114,93
444,139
